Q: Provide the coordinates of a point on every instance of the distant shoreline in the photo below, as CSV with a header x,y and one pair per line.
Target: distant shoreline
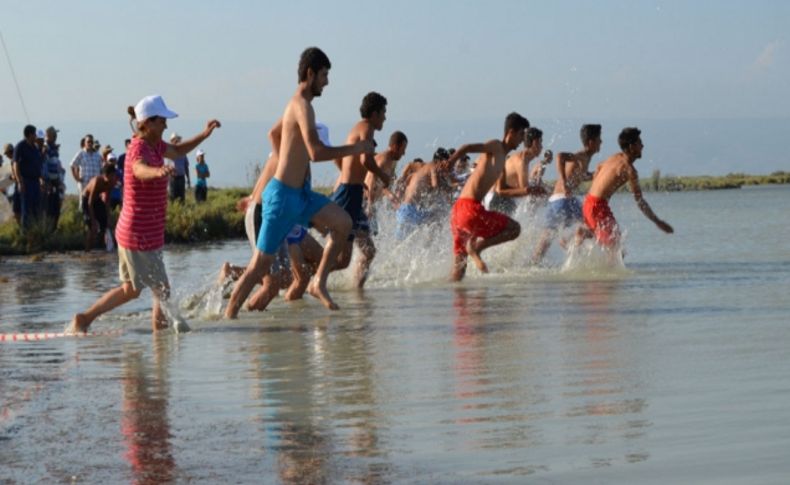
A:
x,y
219,220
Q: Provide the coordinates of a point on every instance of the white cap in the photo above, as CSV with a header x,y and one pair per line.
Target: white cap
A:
x,y
152,106
111,156
323,133
39,133
174,136
200,152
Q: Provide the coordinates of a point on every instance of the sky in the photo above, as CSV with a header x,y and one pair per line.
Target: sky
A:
x,y
460,64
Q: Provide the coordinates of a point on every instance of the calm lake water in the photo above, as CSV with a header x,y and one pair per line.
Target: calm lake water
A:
x,y
672,369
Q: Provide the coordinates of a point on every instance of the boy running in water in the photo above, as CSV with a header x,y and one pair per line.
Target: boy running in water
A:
x,y
610,175
564,208
474,228
349,193
516,176
288,198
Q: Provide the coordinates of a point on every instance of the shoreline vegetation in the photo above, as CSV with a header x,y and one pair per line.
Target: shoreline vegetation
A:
x,y
218,219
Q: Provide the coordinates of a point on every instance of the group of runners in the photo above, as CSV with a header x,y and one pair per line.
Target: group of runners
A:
x,y
282,205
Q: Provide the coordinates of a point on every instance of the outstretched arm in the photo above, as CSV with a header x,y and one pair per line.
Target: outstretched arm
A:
x,y
180,149
633,182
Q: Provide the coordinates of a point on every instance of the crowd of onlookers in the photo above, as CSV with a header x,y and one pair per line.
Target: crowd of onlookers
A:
x,y
39,181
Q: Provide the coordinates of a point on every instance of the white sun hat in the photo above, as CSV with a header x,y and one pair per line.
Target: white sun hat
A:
x,y
151,106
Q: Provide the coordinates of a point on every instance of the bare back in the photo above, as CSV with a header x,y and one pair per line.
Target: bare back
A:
x,y
517,170
352,169
420,182
386,163
488,170
294,158
611,174
575,171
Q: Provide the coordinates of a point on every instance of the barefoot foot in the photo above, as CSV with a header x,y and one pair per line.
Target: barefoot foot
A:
x,y
79,324
472,250
323,295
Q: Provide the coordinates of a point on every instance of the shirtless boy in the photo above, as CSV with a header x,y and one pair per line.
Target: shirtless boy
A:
x,y
474,228
564,208
94,210
349,194
610,175
386,161
515,181
288,198
416,207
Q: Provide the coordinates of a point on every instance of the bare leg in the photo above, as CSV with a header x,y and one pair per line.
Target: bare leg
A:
x,y
477,245
107,302
338,223
259,266
158,317
305,258
543,246
268,291
368,252
459,268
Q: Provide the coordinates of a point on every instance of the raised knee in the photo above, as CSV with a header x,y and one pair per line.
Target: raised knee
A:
x,y
129,292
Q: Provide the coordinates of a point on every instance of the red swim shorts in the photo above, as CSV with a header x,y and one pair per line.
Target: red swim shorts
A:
x,y
599,218
470,219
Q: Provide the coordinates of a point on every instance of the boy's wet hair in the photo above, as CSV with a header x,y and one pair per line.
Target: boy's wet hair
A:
x,y
533,134
515,121
589,133
372,103
440,154
312,58
628,137
398,138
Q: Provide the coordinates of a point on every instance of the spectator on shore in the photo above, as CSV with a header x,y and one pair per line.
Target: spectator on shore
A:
x,y
94,210
119,167
28,163
114,196
179,181
16,205
202,173
86,164
54,177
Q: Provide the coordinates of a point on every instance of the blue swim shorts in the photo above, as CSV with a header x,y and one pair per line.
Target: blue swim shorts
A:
x,y
284,207
350,198
409,217
563,212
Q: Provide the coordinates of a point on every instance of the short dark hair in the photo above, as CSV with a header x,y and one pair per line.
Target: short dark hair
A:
x,y
371,103
29,130
398,138
312,58
628,137
515,121
440,154
533,134
108,169
589,132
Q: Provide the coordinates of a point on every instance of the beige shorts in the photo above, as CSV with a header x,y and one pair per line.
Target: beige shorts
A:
x,y
142,268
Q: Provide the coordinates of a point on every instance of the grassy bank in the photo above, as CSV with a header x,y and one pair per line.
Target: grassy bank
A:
x,y
215,219
670,183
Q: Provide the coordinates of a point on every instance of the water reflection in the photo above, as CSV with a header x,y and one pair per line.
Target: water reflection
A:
x,y
603,387
144,423
357,417
288,389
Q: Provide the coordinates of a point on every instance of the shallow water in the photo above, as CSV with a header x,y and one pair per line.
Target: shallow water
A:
x,y
672,369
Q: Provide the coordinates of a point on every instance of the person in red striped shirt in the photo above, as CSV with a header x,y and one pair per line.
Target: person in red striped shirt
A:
x,y
140,231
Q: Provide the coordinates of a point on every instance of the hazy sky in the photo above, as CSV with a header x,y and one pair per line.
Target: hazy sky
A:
x,y
433,60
